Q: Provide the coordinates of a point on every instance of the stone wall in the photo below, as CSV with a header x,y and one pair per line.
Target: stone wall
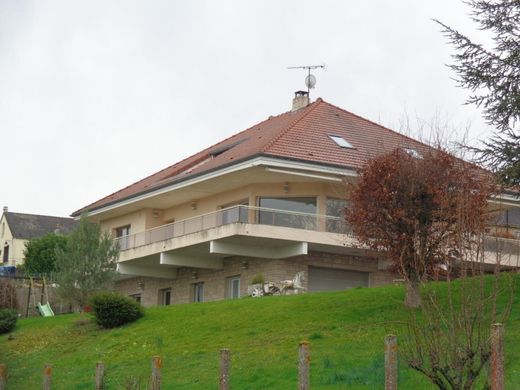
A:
x,y
216,282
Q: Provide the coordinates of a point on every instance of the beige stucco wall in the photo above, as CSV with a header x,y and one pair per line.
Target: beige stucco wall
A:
x,y
137,221
215,282
206,204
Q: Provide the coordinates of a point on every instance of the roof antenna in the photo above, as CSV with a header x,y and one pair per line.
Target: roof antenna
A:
x,y
310,80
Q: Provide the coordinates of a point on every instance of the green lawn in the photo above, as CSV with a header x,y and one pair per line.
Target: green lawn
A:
x,y
346,331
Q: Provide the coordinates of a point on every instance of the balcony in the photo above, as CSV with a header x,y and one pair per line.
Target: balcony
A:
x,y
503,250
205,240
239,214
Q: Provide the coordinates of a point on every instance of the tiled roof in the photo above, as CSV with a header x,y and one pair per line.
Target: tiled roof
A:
x,y
27,226
296,135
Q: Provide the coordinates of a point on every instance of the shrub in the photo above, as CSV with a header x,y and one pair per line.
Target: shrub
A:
x,y
8,318
7,295
258,279
112,309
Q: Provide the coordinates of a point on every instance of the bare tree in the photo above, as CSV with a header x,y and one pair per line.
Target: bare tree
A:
x,y
407,207
449,339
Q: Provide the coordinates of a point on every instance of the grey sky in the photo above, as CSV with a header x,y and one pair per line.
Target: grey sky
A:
x,y
95,95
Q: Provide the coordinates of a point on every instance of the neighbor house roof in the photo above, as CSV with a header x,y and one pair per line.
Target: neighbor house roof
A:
x,y
27,226
301,135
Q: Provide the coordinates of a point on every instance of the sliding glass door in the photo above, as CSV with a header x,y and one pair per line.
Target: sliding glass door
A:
x,y
298,213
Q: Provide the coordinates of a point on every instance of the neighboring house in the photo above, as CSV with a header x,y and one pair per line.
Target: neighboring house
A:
x,y
16,229
268,200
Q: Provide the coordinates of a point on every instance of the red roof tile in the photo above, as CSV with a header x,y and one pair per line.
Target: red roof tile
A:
x,y
296,135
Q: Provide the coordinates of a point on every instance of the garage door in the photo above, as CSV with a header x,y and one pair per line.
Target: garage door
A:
x,y
330,279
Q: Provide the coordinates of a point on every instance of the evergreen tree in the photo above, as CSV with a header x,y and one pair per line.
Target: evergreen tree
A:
x,y
87,264
492,74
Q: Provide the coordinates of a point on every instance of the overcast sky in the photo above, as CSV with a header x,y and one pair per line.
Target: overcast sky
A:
x,y
95,95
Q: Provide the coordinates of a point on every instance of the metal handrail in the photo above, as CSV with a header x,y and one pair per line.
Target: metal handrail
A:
x,y
236,214
264,216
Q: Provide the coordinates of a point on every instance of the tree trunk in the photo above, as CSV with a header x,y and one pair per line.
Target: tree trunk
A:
x,y
413,293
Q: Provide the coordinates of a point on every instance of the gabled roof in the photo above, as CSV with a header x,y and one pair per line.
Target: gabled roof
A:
x,y
302,135
27,226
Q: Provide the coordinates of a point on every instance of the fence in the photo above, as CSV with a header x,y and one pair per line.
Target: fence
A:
x,y
28,296
304,360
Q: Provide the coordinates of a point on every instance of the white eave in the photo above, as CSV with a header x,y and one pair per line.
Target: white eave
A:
x,y
506,199
296,168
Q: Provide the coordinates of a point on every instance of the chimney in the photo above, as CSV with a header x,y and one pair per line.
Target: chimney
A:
x,y
5,209
301,100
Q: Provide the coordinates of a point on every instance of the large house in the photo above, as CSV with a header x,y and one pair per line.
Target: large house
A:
x,y
16,229
267,201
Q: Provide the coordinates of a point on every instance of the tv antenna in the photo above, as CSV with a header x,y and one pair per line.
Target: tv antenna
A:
x,y
310,80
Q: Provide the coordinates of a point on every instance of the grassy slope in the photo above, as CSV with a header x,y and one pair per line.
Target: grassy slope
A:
x,y
346,330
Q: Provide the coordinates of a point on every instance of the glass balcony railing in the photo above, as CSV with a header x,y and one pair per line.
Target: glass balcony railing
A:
x,y
502,246
237,214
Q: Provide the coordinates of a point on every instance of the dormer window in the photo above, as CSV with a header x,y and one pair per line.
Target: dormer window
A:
x,y
412,152
221,149
340,141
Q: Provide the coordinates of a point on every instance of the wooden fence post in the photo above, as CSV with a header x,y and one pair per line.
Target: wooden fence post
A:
x,y
390,362
304,360
28,300
155,382
497,357
225,365
100,376
47,377
3,376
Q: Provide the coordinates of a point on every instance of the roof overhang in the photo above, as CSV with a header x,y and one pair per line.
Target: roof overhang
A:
x,y
299,169
507,199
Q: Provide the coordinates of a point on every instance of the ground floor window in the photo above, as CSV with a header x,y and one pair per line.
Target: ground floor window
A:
x,y
233,287
198,292
165,296
137,297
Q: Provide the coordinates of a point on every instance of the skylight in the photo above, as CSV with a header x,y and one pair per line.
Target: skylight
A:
x,y
412,152
340,141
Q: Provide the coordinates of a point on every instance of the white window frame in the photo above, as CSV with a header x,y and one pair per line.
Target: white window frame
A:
x,y
341,141
122,233
163,293
230,281
413,152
